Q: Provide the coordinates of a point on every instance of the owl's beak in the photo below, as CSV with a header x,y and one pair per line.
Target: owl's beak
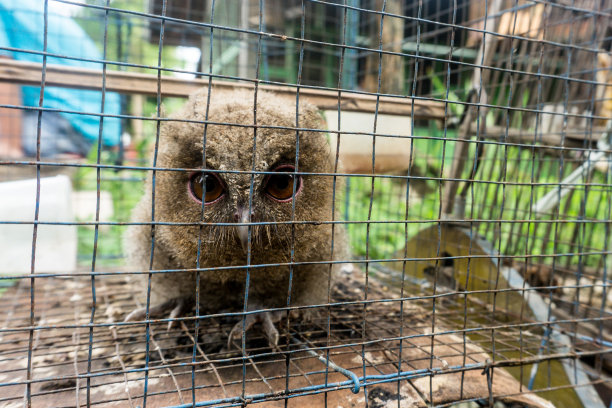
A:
x,y
243,215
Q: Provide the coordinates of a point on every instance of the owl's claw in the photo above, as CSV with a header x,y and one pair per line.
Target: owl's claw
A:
x,y
176,306
267,320
177,311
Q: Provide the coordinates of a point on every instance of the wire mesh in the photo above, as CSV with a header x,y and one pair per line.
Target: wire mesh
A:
x,y
466,158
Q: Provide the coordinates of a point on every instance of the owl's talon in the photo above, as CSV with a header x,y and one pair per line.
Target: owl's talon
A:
x,y
270,329
267,320
236,331
306,316
176,306
177,311
136,314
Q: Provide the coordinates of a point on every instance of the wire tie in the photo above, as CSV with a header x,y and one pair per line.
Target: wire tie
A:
x,y
487,367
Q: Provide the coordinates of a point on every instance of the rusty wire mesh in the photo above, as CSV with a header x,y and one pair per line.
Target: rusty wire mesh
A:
x,y
474,190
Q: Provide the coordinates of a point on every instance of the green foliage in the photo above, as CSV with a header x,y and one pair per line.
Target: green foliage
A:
x,y
504,191
386,234
125,188
513,201
439,87
379,240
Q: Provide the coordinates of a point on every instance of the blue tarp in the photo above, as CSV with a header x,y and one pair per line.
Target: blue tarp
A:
x,y
21,26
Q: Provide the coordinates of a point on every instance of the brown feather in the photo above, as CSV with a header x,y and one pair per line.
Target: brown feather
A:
x,y
231,148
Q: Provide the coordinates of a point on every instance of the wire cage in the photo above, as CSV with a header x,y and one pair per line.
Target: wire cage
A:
x,y
469,145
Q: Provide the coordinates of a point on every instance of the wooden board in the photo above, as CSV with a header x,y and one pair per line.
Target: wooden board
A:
x,y
29,73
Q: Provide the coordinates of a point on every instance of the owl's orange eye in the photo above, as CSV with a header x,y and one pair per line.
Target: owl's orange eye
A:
x,y
280,186
214,187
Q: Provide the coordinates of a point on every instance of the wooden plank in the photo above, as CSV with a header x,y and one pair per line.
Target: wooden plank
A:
x,y
460,155
28,73
571,138
392,67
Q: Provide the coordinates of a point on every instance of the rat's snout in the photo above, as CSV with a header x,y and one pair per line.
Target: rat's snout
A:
x,y
243,215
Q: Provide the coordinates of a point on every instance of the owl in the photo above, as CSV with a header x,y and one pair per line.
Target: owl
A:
x,y
245,193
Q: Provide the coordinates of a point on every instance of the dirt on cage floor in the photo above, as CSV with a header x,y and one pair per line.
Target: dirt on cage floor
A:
x,y
72,365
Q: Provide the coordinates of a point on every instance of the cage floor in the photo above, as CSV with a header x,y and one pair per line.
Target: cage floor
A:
x,y
386,344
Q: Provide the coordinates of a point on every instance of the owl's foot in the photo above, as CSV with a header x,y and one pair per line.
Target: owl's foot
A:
x,y
176,307
267,320
305,315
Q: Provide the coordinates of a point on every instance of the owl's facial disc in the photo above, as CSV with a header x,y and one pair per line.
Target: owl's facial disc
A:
x,y
280,186
208,185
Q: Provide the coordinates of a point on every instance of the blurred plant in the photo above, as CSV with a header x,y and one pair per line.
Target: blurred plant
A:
x,y
125,188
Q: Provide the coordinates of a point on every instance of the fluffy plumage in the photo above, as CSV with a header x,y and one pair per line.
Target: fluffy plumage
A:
x,y
230,148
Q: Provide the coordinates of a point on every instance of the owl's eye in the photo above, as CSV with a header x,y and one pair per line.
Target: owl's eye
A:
x,y
280,186
214,187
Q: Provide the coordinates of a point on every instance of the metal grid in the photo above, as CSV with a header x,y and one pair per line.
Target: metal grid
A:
x,y
118,357
492,291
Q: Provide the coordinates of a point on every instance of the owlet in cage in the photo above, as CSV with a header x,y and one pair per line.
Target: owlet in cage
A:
x,y
247,175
